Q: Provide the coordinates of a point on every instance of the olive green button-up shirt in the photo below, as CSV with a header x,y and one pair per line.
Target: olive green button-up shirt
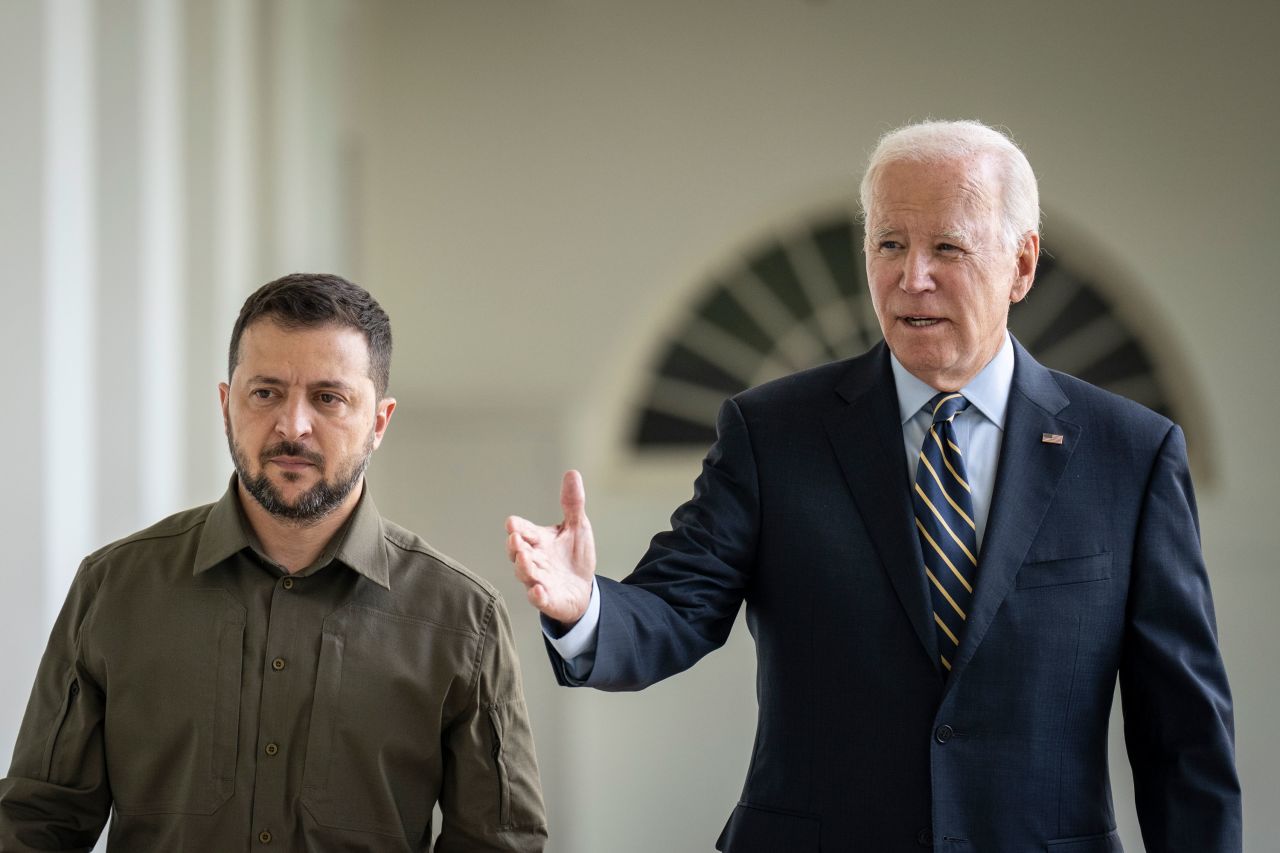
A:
x,y
211,701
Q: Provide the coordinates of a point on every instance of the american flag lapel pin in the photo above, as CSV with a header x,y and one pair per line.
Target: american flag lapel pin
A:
x,y
1050,438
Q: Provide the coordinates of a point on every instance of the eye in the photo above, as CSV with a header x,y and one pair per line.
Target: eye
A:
x,y
948,247
890,245
328,399
261,393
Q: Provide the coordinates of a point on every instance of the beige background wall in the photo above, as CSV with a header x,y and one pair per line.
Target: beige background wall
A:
x,y
534,190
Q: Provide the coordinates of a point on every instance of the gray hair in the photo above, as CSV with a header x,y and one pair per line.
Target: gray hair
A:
x,y
933,141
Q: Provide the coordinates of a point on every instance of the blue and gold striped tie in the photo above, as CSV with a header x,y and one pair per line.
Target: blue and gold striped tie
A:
x,y
944,520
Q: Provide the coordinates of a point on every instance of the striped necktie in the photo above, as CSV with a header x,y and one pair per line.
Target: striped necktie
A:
x,y
944,520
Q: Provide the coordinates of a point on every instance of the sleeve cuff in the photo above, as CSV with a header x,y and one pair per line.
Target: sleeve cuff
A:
x,y
581,638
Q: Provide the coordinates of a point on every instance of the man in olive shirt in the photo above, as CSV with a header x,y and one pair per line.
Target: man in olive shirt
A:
x,y
283,669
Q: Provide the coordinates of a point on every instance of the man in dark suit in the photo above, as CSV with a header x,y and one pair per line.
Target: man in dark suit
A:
x,y
948,554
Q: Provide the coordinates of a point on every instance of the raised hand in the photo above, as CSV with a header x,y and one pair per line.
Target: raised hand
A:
x,y
556,564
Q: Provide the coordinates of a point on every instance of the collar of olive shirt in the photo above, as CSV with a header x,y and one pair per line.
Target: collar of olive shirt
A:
x,y
359,544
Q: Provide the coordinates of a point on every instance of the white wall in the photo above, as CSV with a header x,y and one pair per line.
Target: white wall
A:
x,y
533,189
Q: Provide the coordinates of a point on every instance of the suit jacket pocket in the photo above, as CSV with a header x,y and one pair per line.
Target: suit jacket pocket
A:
x,y
1106,843
1066,570
759,829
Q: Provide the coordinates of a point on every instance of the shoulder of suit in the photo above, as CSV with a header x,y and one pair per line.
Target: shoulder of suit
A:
x,y
812,385
1089,402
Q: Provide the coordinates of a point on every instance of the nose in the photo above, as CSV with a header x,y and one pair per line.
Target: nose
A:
x,y
917,272
294,419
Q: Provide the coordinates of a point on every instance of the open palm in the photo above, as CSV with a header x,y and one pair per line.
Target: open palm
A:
x,y
556,564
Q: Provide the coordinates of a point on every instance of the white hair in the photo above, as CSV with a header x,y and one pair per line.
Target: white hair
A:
x,y
934,141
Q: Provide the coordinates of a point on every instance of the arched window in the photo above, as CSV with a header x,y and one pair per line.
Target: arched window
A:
x,y
787,303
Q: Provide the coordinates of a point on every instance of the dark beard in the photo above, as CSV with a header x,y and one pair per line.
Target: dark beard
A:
x,y
313,504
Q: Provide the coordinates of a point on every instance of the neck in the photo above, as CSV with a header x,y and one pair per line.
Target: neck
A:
x,y
952,381
295,544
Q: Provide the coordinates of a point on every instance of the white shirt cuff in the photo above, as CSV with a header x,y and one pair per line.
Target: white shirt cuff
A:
x,y
581,638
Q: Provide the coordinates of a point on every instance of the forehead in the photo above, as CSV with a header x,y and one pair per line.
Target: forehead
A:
x,y
303,353
955,193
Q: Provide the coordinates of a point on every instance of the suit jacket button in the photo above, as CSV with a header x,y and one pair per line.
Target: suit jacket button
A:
x,y
943,734
925,838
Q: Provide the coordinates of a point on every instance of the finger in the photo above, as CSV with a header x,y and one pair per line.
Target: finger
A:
x,y
573,499
529,568
522,555
516,524
517,540
527,574
532,533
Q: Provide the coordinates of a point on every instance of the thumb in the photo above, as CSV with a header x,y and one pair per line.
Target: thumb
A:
x,y
573,499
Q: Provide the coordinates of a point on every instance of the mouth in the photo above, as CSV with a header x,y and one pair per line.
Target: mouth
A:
x,y
291,463
918,322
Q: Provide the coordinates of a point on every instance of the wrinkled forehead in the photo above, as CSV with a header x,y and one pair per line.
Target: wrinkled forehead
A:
x,y
955,192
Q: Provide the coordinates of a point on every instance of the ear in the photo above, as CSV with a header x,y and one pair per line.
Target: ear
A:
x,y
224,399
1025,266
381,418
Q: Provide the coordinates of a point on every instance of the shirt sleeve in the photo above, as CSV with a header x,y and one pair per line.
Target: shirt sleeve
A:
x,y
491,797
56,796
577,646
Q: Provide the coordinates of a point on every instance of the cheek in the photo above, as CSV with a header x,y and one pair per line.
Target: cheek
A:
x,y
876,284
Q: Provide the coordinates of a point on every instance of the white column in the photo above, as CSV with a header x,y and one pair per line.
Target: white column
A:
x,y
69,251
308,166
225,160
160,444
22,527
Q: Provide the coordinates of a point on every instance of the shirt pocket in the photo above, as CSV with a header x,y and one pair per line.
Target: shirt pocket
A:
x,y
173,707
515,769
497,724
374,757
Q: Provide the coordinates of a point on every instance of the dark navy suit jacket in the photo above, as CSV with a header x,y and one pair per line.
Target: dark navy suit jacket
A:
x,y
1090,568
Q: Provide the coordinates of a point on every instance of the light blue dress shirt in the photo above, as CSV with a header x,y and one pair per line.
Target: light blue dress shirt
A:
x,y
979,431
979,428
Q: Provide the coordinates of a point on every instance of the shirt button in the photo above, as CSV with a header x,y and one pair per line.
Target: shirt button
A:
x,y
943,734
272,749
277,664
288,583
925,838
264,837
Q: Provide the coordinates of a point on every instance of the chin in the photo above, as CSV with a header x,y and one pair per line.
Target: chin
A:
x,y
916,358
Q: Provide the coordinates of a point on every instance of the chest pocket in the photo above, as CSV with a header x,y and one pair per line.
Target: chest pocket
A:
x,y
374,761
173,706
1068,570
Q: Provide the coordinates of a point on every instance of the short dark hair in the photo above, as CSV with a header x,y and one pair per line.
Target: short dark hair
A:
x,y
309,300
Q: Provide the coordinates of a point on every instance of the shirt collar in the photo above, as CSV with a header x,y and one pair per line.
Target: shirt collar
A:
x,y
359,544
988,392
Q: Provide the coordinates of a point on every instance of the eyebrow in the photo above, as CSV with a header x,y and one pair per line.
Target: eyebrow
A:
x,y
335,384
959,234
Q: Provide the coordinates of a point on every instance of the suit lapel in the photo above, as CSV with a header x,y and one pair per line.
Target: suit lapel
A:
x,y
1026,478
867,438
